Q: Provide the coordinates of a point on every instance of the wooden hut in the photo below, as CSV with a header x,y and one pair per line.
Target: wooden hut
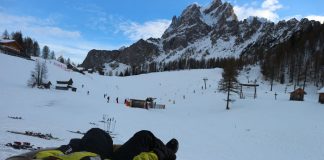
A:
x,y
297,95
321,95
65,85
146,104
47,85
69,82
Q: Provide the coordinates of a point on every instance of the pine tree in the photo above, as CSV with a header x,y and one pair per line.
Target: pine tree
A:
x,y
36,49
18,37
68,61
229,83
5,35
61,59
52,55
127,72
29,46
45,52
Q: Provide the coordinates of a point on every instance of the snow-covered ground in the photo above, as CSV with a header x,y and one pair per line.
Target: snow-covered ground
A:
x,y
254,129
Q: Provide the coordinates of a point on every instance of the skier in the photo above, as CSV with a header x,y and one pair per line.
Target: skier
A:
x,y
98,144
108,99
117,100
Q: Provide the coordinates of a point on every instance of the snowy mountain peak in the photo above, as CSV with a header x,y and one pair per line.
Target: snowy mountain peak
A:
x,y
252,19
205,33
218,12
215,4
188,17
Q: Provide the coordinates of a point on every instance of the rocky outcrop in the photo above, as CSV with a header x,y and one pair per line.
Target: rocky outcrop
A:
x,y
96,58
139,52
135,54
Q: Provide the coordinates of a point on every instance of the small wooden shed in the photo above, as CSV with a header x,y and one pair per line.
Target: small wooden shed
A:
x,y
146,104
47,85
321,95
297,95
65,85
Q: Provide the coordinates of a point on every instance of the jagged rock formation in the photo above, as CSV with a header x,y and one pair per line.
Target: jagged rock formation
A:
x,y
204,33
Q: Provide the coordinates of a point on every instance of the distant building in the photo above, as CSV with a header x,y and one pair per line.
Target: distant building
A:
x,y
297,95
321,95
146,104
47,85
65,85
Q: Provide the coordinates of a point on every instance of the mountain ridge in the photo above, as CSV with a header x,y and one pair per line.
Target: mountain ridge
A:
x,y
203,33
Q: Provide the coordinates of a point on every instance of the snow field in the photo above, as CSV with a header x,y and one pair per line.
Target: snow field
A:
x,y
253,129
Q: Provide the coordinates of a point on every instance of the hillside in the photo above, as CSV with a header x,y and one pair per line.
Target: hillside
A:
x,y
263,128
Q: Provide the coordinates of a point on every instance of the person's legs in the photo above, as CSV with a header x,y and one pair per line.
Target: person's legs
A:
x,y
142,141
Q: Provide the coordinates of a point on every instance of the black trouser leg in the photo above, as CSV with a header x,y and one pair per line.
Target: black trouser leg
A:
x,y
142,141
97,141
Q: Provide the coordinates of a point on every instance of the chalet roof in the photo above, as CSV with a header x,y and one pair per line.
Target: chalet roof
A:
x,y
9,41
321,90
298,91
6,41
249,84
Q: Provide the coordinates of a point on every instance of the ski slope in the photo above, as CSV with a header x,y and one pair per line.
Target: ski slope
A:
x,y
254,129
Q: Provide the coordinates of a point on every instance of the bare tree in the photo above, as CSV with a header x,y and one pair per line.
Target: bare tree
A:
x,y
38,75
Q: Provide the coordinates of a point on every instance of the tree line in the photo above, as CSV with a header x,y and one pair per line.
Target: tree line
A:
x,y
30,47
181,64
298,60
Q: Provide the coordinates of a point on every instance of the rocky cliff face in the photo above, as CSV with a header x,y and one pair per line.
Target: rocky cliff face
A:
x,y
96,58
203,32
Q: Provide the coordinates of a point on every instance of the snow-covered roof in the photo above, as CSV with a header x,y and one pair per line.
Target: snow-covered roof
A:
x,y
321,90
6,40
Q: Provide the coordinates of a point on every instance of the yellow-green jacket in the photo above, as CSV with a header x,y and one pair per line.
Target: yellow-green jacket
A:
x,y
58,155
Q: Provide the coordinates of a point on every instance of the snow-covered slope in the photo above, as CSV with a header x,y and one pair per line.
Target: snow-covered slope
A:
x,y
253,129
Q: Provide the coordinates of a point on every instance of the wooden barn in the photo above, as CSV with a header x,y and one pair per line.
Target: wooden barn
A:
x,y
321,95
297,95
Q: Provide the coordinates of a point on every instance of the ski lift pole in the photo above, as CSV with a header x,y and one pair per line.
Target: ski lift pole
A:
x,y
114,126
108,121
205,79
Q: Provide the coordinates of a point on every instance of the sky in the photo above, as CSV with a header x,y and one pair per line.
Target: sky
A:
x,y
73,27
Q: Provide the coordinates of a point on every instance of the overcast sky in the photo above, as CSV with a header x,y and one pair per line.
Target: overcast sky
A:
x,y
73,27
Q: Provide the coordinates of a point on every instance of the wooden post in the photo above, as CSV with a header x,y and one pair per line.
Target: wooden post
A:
x,y
241,91
275,95
255,94
228,96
